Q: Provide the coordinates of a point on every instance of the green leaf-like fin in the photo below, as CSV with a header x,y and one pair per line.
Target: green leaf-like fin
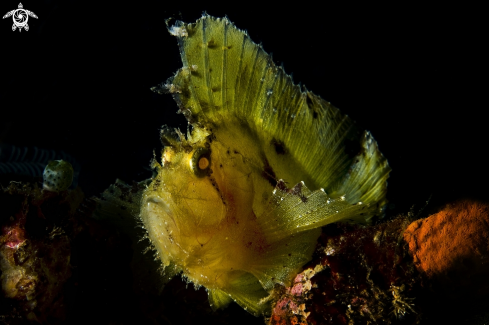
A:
x,y
293,223
246,290
230,85
218,299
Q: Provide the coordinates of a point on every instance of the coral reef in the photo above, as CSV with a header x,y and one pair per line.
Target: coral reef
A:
x,y
396,272
452,248
35,250
359,275
57,265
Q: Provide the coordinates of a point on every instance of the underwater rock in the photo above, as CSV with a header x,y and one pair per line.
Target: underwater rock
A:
x,y
451,248
358,275
396,272
57,264
35,250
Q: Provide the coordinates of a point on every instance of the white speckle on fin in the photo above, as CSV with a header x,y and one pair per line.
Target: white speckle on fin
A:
x,y
178,31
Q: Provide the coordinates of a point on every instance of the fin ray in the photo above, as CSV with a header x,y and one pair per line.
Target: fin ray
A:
x,y
218,299
247,291
285,258
236,83
298,209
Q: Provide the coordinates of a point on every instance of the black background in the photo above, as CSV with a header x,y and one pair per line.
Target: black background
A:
x,y
79,81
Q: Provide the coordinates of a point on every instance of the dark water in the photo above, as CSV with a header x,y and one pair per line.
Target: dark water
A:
x,y
78,81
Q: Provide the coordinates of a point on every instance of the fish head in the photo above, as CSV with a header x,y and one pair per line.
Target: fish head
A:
x,y
181,197
198,209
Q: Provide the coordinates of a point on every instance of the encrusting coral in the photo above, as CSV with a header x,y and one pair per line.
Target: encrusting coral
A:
x,y
452,248
358,275
398,272
57,264
35,249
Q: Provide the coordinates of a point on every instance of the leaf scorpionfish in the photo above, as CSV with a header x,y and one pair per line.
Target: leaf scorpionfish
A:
x,y
237,204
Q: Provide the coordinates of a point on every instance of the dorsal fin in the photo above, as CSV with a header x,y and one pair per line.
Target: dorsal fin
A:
x,y
228,83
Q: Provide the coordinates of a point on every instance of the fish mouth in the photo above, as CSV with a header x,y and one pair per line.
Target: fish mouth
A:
x,y
161,226
156,205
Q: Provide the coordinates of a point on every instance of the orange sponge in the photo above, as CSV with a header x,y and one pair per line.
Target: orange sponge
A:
x,y
452,246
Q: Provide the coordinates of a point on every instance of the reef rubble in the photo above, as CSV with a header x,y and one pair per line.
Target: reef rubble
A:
x,y
397,272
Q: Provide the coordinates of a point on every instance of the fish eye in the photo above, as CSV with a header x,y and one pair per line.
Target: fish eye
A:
x,y
200,162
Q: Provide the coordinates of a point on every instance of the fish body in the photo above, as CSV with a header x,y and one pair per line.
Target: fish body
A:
x,y
237,204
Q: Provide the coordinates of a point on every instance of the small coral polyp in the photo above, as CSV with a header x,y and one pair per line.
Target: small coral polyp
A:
x,y
15,237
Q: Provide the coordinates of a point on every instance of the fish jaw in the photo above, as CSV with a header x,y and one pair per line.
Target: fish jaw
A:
x,y
210,255
161,227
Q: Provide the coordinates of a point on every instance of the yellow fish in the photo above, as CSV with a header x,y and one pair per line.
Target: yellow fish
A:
x,y
238,203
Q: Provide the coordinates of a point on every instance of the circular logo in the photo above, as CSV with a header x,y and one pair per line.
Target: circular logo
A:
x,y
20,17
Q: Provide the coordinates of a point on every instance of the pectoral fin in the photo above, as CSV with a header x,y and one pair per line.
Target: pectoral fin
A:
x,y
292,223
246,291
218,299
294,210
